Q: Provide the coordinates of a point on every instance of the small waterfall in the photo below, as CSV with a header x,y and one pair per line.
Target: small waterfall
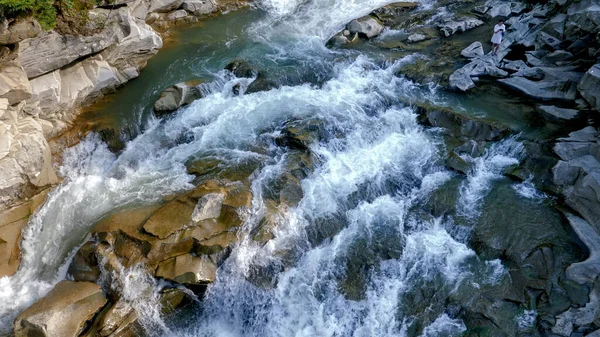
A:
x,y
486,169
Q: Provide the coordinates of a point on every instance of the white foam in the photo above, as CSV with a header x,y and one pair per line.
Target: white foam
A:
x,y
528,190
486,169
444,326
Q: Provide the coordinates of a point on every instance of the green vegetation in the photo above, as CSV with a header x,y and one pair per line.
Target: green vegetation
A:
x,y
69,15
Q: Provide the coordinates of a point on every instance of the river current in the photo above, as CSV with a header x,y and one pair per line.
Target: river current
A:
x,y
373,176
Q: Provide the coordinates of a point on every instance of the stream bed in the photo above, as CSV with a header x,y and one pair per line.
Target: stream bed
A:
x,y
384,239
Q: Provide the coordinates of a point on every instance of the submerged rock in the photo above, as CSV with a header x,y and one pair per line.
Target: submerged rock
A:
x,y
177,96
65,311
464,126
553,112
416,37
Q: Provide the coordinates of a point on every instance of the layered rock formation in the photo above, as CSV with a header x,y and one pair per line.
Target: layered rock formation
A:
x,y
45,77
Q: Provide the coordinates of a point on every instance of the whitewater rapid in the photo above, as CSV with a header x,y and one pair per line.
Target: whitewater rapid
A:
x,y
384,159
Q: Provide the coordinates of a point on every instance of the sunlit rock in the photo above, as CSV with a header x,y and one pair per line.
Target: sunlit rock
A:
x,y
177,96
65,311
188,269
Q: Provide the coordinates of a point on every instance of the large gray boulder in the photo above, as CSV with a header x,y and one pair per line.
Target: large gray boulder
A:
x,y
557,85
578,173
473,50
586,271
65,311
480,66
451,26
589,87
177,96
461,80
365,26
200,7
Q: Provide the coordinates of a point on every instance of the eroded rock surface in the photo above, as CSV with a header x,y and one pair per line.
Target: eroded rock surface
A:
x,y
65,311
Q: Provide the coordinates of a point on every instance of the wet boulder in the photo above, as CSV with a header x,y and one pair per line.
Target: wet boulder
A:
x,y
463,126
287,188
457,163
343,38
119,319
241,68
177,96
188,269
589,87
84,266
300,134
366,27
65,311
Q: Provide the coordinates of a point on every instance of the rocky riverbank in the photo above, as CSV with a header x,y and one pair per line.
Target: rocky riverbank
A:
x,y
46,77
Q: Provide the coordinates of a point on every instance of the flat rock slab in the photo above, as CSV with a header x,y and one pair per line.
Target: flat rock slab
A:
x,y
64,312
474,50
553,112
545,89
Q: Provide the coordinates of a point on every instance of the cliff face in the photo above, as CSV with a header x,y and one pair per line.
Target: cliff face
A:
x,y
45,77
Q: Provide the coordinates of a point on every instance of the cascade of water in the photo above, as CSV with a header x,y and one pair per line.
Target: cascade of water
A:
x,y
486,169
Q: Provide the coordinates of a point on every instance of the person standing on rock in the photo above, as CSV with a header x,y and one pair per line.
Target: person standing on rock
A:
x,y
499,30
